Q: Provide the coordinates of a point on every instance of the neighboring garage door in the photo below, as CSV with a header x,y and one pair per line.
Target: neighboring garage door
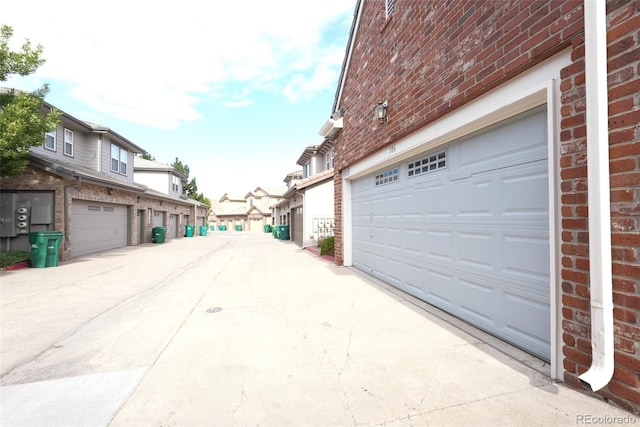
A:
x,y
297,225
158,218
172,226
465,228
97,227
256,225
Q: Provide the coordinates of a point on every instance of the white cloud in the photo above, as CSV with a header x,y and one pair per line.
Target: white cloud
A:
x,y
148,62
237,103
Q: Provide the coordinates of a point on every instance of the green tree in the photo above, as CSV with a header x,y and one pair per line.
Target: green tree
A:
x,y
22,121
147,156
189,186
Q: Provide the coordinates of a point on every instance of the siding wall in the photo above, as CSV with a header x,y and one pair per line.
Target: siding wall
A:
x,y
106,161
431,58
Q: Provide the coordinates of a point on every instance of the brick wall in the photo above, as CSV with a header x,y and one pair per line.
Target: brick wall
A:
x,y
623,21
431,58
33,179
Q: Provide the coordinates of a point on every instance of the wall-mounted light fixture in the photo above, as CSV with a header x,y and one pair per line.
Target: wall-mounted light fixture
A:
x,y
381,111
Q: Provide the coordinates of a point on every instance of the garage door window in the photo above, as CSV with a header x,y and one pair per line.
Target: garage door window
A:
x,y
387,177
431,163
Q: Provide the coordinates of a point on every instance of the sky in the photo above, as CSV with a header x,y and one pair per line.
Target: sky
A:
x,y
235,89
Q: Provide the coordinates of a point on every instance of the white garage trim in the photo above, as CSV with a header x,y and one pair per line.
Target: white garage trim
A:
x,y
532,88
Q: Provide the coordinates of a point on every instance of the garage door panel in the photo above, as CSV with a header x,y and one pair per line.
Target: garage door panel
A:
x,y
395,271
439,245
413,241
414,275
474,198
439,287
378,264
394,239
473,236
529,321
525,194
475,249
524,137
527,256
476,299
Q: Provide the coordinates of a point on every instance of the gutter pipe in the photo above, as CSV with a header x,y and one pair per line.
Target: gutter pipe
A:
x,y
600,275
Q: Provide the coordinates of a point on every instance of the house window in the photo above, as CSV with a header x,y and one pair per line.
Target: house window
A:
x,y
50,140
328,159
388,176
390,7
175,183
68,142
431,163
118,159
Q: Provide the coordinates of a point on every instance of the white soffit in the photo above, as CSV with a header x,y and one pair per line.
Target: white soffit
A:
x,y
331,128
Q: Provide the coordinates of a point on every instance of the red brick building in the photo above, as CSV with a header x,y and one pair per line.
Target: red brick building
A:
x,y
471,189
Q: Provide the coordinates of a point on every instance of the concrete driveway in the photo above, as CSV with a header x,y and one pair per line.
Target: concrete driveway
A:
x,y
239,329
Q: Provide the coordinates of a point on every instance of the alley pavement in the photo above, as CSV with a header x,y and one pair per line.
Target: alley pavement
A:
x,y
241,329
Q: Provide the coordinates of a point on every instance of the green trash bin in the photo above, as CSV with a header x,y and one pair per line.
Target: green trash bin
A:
x,y
267,228
45,246
284,232
212,227
222,228
238,227
276,231
188,230
158,234
203,230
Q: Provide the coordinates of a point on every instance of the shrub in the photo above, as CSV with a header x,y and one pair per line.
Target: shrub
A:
x,y
12,257
326,246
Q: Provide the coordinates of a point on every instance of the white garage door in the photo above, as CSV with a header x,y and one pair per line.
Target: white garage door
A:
x,y
465,228
97,227
256,225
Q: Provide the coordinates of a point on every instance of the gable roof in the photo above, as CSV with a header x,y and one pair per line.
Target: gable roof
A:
x,y
309,151
96,128
272,191
232,197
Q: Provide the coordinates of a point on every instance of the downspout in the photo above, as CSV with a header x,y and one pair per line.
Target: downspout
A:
x,y
600,276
